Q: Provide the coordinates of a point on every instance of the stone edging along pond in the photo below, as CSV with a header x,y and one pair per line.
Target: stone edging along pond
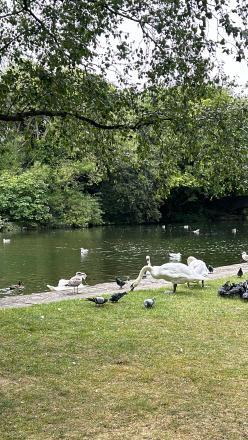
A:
x,y
101,289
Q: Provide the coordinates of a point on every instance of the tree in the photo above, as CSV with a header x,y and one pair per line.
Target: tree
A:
x,y
66,34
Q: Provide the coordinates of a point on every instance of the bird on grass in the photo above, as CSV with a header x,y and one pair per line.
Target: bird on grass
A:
x,y
98,300
149,303
75,281
116,296
196,231
176,273
240,272
120,282
198,266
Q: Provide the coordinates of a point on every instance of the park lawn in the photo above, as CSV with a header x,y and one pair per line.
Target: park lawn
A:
x,y
179,371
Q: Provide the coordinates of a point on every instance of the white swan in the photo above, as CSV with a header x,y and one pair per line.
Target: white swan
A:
x,y
84,251
175,256
176,273
244,256
6,240
63,284
198,266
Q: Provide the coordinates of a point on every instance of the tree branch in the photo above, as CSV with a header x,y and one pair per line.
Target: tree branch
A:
x,y
21,116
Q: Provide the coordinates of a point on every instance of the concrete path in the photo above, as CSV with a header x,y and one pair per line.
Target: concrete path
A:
x,y
101,289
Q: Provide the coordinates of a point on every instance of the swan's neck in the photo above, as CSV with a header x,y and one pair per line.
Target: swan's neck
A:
x,y
143,270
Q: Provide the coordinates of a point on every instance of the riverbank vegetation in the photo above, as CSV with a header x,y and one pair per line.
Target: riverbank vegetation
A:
x,y
74,370
84,142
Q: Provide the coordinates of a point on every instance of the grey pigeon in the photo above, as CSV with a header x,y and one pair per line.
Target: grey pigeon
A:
x,y
148,303
98,300
116,296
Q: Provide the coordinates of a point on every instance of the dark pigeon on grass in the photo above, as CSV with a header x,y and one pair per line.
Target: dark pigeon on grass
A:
x,y
240,272
149,303
98,300
116,296
120,282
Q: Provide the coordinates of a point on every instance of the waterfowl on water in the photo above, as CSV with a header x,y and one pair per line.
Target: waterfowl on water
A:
x,y
84,251
176,273
175,256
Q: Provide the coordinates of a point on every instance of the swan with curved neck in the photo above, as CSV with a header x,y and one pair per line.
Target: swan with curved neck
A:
x,y
176,273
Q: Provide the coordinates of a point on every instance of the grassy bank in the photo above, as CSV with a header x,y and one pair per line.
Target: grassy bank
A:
x,y
71,370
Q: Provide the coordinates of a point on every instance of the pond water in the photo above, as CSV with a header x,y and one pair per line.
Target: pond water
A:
x,y
41,258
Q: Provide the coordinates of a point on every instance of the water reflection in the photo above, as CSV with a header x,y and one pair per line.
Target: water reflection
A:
x,y
45,257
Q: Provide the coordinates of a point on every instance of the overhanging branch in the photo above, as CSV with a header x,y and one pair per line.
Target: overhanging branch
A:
x,y
21,116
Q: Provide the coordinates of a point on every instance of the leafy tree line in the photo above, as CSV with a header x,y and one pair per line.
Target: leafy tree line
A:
x,y
77,150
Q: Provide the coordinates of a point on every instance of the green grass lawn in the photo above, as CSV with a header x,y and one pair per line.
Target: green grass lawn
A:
x,y
179,371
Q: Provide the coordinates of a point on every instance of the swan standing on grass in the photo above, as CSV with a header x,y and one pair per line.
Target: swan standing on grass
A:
x,y
198,266
176,273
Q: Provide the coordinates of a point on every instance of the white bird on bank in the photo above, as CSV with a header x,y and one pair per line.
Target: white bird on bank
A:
x,y
176,273
64,284
196,231
186,227
198,266
6,240
234,231
244,256
75,281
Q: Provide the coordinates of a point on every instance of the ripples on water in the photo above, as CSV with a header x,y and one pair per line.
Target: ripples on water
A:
x,y
43,258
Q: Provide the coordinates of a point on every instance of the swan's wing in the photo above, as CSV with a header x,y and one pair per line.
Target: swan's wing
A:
x,y
199,267
178,271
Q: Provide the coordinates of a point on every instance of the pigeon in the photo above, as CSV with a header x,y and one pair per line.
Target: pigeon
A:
x,y
240,272
98,300
148,303
210,268
120,282
116,296
76,280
